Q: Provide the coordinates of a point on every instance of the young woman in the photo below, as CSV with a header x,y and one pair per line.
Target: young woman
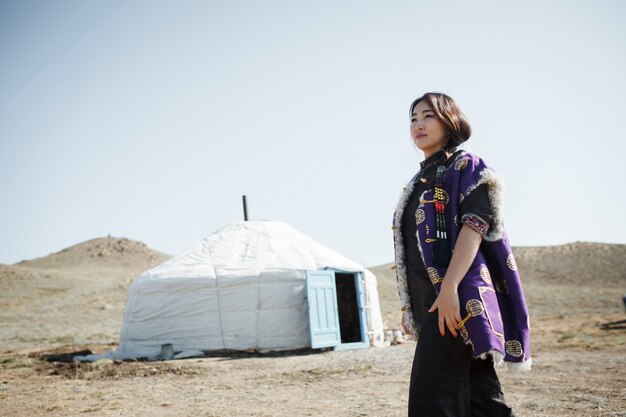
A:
x,y
461,294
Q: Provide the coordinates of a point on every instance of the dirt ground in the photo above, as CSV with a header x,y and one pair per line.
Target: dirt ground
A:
x,y
74,300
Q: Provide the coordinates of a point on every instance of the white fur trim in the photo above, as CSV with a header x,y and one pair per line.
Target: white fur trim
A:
x,y
403,290
498,357
498,360
520,366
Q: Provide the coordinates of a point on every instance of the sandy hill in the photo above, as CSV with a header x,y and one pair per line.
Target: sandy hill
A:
x,y
580,263
106,251
73,295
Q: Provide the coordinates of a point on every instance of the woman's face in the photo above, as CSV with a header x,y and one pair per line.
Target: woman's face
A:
x,y
427,131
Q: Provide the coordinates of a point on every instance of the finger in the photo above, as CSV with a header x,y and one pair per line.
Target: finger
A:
x,y
441,325
457,316
455,323
433,307
457,319
450,325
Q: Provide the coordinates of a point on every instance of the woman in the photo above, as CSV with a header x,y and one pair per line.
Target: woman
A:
x,y
458,283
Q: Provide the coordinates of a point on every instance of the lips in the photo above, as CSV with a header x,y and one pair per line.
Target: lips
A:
x,y
420,135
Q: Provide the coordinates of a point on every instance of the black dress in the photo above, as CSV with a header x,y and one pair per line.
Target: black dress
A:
x,y
445,379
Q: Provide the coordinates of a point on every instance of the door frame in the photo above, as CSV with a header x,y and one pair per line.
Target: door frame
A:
x,y
326,278
362,306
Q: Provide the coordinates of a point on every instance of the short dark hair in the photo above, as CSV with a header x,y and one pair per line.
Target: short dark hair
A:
x,y
450,114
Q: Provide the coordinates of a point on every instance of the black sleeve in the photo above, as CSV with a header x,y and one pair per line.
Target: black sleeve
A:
x,y
475,210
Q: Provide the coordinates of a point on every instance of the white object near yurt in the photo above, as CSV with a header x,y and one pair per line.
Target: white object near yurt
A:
x,y
245,287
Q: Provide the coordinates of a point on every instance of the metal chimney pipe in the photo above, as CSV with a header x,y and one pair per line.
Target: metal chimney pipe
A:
x,y
245,208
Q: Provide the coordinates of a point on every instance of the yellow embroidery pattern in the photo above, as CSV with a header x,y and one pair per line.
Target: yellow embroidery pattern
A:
x,y
474,308
420,216
484,274
510,262
434,275
501,287
460,164
514,348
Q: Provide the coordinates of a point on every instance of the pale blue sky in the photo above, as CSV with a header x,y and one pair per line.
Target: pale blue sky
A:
x,y
150,119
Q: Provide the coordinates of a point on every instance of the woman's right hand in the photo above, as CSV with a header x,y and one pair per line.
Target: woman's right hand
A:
x,y
405,319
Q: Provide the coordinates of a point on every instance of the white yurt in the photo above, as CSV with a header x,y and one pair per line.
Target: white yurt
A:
x,y
253,285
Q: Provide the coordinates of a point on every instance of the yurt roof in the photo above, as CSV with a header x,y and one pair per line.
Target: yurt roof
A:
x,y
251,248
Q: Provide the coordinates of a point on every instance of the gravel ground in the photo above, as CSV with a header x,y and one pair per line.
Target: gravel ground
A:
x,y
63,301
571,376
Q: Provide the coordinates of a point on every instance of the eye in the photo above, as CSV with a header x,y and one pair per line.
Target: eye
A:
x,y
428,115
413,120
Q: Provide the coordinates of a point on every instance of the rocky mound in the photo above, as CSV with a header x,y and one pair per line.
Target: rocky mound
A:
x,y
72,296
109,251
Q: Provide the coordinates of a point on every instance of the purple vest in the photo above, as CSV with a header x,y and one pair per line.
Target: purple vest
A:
x,y
490,294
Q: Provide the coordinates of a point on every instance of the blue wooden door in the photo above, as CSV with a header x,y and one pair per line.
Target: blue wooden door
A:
x,y
323,314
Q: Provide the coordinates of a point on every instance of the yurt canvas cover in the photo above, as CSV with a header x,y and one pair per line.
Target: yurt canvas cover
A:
x,y
243,287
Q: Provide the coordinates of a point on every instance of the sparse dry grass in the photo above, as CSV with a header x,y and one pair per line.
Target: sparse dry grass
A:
x,y
60,304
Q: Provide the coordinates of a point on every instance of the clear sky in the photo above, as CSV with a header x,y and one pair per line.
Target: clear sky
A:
x,y
149,119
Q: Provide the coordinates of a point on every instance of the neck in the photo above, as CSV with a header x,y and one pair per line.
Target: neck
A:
x,y
429,154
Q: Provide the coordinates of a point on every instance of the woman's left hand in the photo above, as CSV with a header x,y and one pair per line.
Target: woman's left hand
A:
x,y
447,303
